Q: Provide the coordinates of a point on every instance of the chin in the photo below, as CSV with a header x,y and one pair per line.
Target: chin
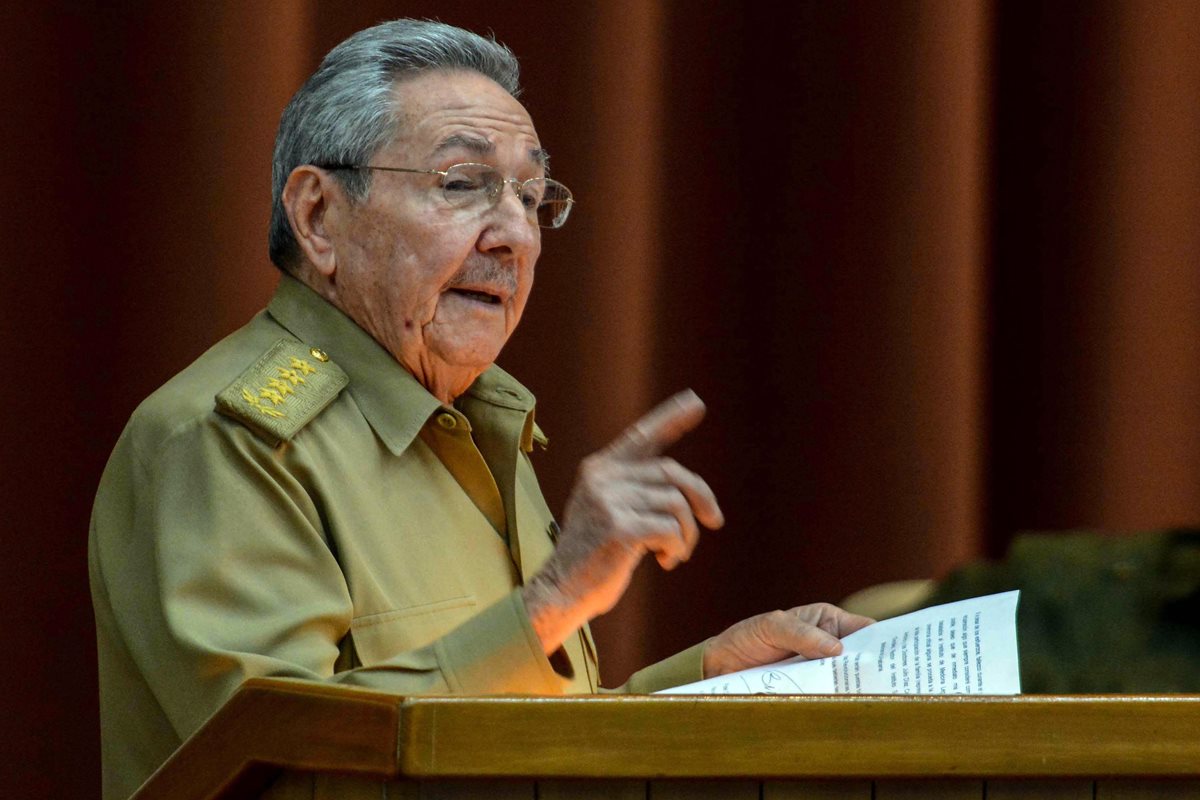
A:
x,y
476,357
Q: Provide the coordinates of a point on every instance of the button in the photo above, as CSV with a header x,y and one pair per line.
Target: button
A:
x,y
318,354
447,421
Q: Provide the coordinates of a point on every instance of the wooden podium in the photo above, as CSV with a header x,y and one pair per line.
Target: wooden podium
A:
x,y
774,748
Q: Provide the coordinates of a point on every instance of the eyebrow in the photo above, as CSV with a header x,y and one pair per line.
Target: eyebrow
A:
x,y
482,147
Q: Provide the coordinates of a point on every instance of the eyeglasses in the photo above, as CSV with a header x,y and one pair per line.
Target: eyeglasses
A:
x,y
478,187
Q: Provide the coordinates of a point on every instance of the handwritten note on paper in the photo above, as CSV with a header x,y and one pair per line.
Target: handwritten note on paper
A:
x,y
968,647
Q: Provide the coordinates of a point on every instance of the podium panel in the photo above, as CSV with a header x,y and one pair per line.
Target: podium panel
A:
x,y
290,739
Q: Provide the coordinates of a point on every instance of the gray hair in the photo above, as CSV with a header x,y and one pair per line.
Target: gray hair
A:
x,y
345,112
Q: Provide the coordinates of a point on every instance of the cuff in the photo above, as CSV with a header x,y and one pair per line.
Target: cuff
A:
x,y
681,668
497,652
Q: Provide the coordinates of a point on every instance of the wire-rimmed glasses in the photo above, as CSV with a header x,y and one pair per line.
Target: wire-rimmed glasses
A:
x,y
547,202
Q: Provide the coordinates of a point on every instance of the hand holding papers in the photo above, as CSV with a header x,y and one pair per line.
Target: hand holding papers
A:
x,y
968,647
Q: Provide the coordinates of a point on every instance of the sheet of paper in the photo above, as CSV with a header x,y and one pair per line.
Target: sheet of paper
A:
x,y
968,647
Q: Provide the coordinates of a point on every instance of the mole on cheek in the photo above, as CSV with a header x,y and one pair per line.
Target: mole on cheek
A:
x,y
408,324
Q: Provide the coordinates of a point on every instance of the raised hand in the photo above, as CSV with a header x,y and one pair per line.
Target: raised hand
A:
x,y
628,500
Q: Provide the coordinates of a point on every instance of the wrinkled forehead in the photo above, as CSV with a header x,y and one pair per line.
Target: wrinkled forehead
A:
x,y
465,116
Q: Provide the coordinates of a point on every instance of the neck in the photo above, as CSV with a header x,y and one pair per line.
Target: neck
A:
x,y
442,381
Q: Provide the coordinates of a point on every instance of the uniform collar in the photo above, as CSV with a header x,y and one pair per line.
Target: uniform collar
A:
x,y
395,404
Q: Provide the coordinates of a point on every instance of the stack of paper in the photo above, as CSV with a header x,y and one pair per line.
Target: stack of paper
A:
x,y
968,647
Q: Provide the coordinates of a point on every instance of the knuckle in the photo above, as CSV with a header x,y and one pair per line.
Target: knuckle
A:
x,y
637,435
677,470
640,526
778,619
678,504
669,526
673,528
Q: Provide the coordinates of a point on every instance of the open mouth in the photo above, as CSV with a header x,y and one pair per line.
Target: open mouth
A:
x,y
478,296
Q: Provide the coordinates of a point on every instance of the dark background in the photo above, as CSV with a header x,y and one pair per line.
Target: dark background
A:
x,y
933,265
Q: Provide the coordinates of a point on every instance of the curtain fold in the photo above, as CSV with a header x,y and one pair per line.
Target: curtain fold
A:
x,y
619,289
1150,334
1093,298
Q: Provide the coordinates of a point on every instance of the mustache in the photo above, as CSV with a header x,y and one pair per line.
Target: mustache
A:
x,y
488,272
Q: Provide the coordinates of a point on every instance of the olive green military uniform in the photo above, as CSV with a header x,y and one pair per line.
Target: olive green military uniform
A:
x,y
326,518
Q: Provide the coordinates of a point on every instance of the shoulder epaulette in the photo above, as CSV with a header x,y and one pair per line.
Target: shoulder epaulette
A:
x,y
284,390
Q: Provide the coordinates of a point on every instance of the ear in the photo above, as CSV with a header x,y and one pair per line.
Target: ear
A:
x,y
308,198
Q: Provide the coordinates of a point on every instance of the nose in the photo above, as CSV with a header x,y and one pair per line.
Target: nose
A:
x,y
508,225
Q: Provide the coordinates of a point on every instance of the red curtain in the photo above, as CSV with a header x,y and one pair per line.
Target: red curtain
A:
x,y
933,266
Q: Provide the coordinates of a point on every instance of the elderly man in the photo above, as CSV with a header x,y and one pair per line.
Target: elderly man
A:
x,y
358,503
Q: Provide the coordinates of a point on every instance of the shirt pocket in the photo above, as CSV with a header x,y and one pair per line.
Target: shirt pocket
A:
x,y
384,635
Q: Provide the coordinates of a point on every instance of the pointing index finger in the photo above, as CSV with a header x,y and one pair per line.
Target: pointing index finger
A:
x,y
664,425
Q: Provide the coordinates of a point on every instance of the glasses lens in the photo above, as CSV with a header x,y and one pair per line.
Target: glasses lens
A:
x,y
554,205
531,193
477,186
466,185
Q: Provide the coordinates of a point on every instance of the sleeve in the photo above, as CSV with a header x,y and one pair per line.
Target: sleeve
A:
x,y
214,560
683,667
